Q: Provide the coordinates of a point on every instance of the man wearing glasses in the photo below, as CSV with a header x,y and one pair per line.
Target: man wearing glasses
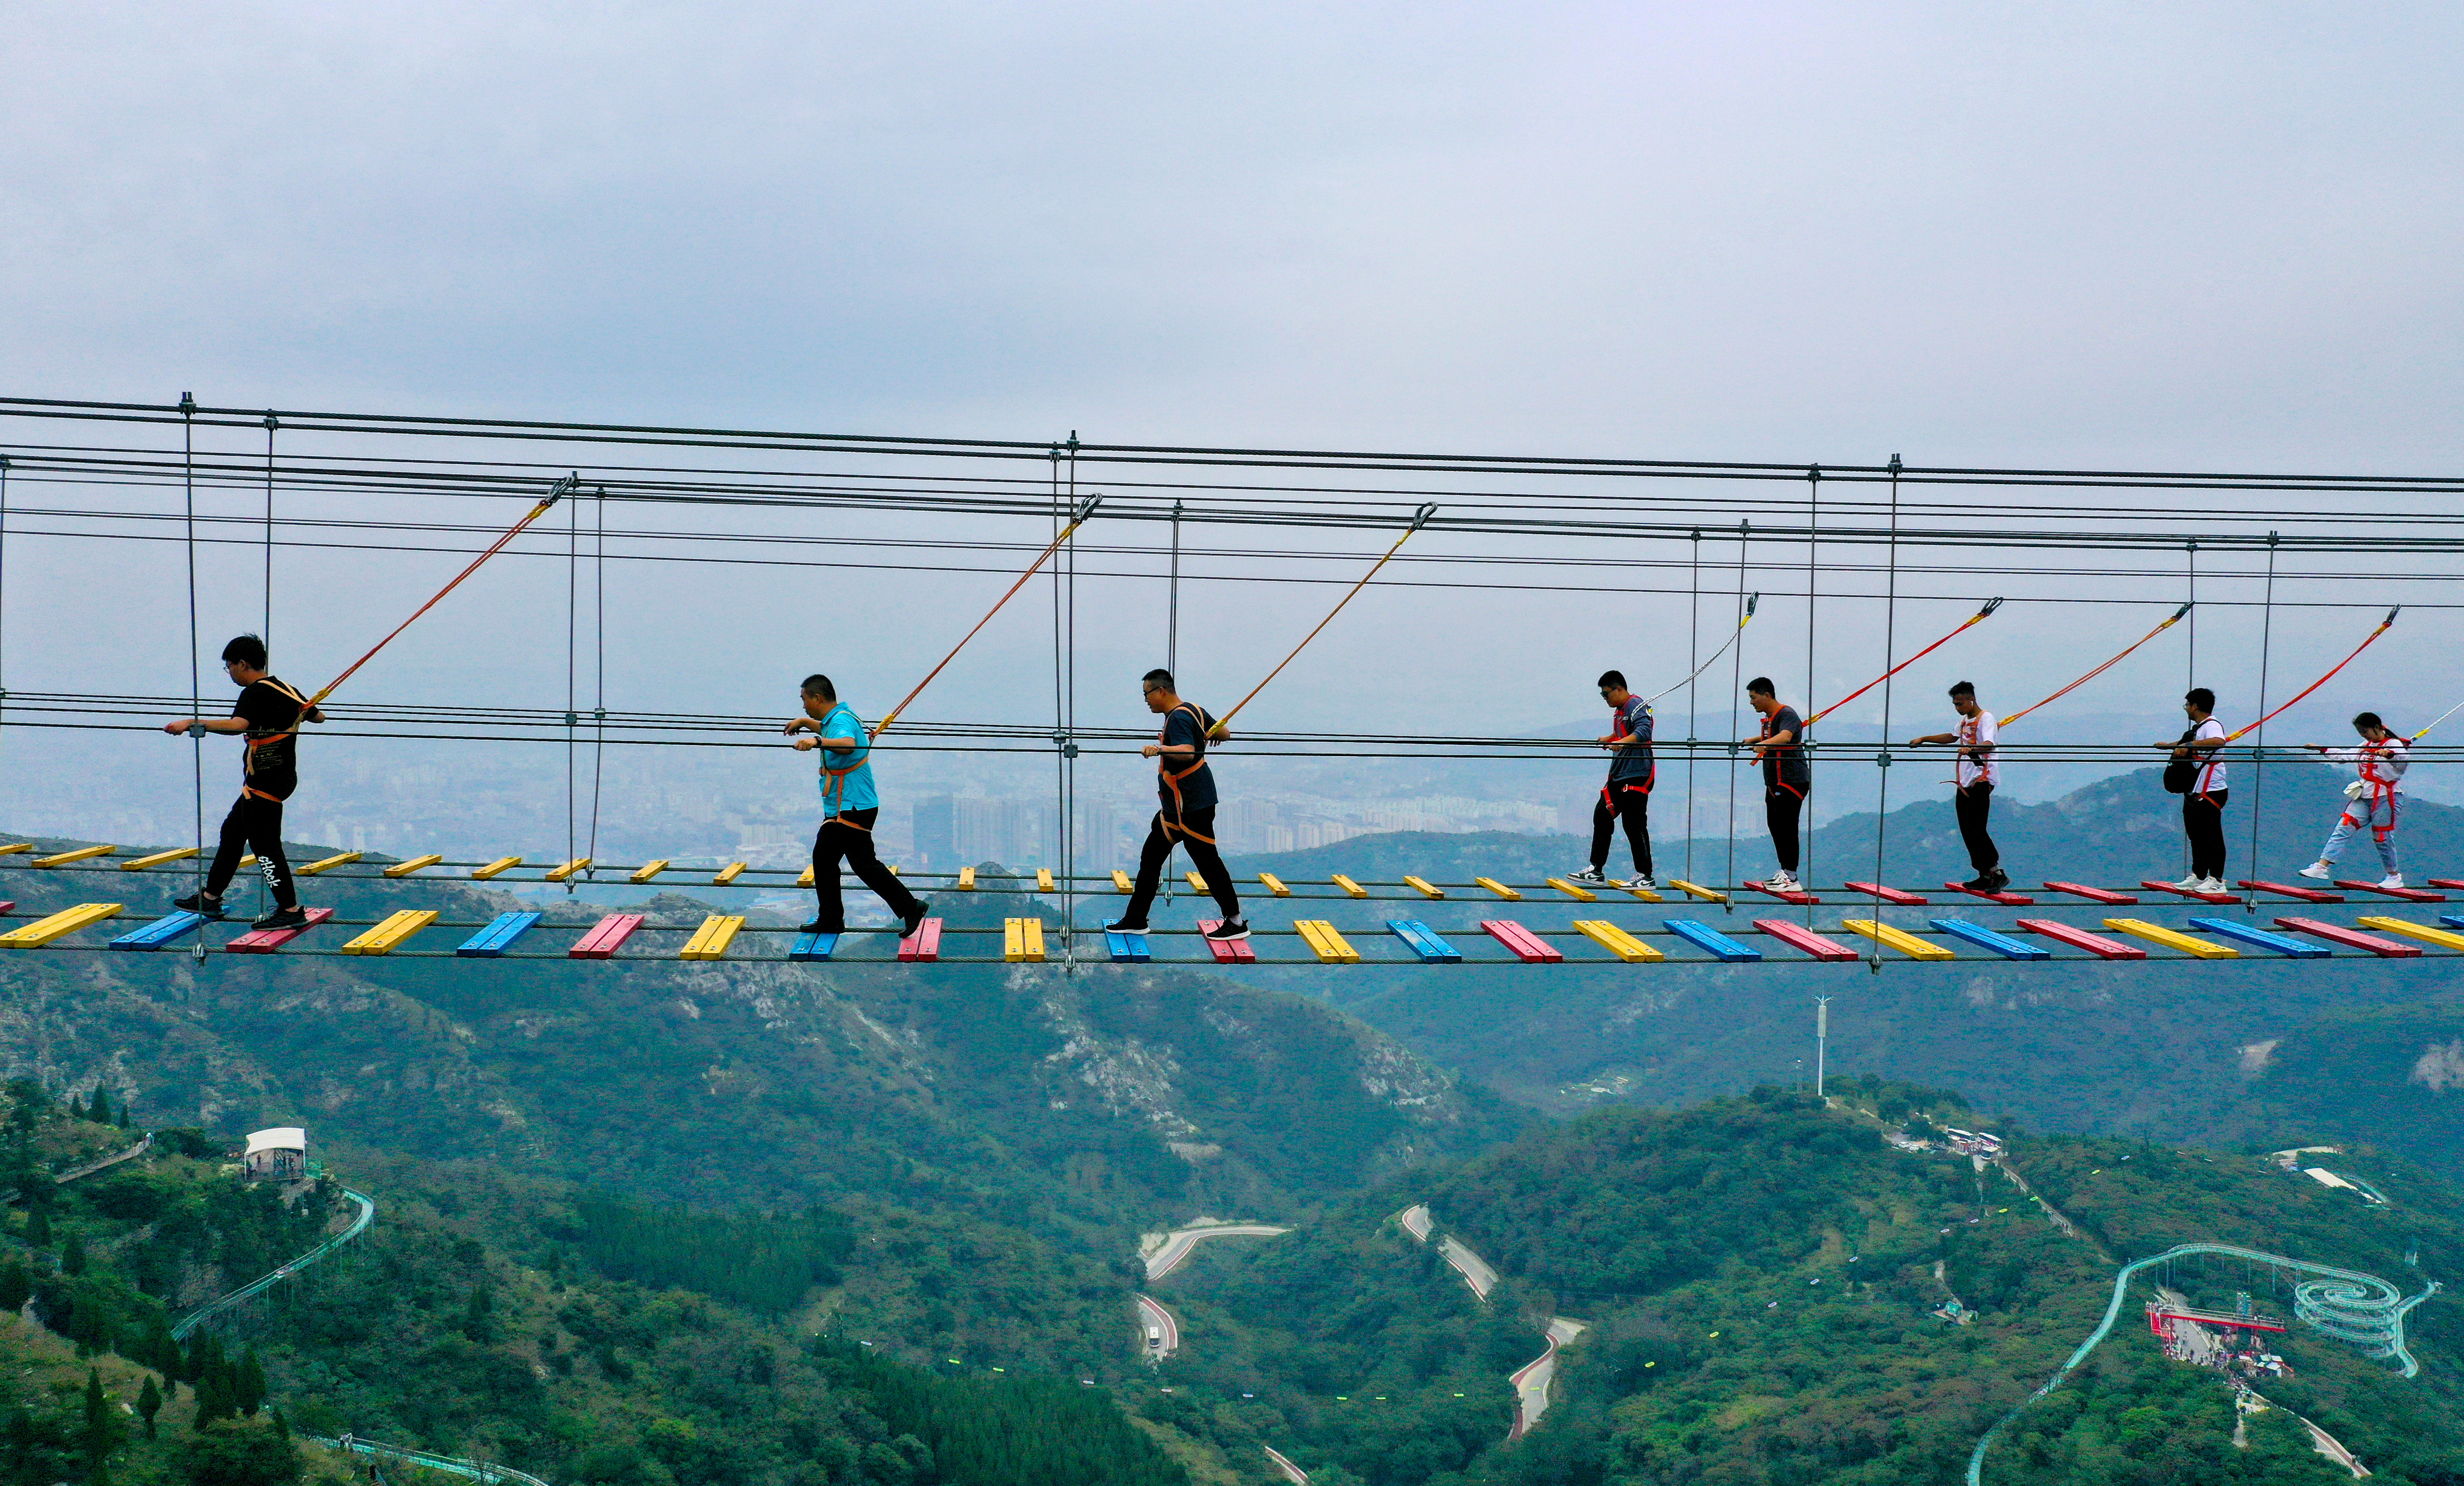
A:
x,y
1186,786
269,714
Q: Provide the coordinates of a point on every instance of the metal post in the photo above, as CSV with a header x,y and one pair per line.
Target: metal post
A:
x,y
1822,1041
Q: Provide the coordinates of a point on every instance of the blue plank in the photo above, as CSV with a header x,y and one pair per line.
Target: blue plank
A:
x,y
813,947
2451,919
2003,945
2297,949
159,932
1702,936
1424,941
498,936
1128,948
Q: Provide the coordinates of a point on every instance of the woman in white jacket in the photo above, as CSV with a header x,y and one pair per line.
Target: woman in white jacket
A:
x,y
2373,799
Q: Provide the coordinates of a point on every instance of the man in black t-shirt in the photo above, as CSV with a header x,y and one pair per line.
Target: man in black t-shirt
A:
x,y
269,714
1187,814
1787,775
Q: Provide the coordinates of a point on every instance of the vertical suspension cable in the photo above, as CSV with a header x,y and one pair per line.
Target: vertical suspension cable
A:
x,y
272,423
2191,665
572,696
1051,853
1804,742
1171,617
599,669
2259,745
1736,679
1693,684
1882,756
4,593
1070,750
196,680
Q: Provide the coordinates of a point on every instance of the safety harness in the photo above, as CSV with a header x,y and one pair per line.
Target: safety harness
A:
x,y
1172,822
1626,720
256,740
834,780
2376,787
1777,755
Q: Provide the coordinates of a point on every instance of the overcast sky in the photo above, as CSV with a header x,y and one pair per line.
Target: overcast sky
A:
x,y
2218,237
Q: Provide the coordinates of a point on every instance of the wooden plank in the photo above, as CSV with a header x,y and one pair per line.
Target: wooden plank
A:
x,y
1499,888
2190,893
2452,883
1197,883
711,940
2301,894
648,871
57,925
2105,895
2097,944
812,948
606,937
1424,942
1021,939
391,933
1822,947
1127,949
966,878
1799,895
2172,938
1227,951
159,932
2008,899
1424,887
1702,936
2356,885
498,936
1325,943
496,868
564,870
1578,894
2352,938
1697,890
922,947
1647,894
729,873
2260,938
1121,881
1351,888
80,854
1044,880
2003,945
322,865
265,941
1618,942
1905,900
2444,938
14,847
157,858
1528,947
408,865
1899,939
1274,885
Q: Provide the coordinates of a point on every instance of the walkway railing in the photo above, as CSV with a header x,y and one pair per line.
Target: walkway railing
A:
x,y
224,1303
452,1465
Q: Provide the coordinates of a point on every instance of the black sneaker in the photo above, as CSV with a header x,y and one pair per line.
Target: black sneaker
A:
x,y
1125,927
1999,878
817,927
201,904
1588,875
1229,931
1982,881
292,917
914,919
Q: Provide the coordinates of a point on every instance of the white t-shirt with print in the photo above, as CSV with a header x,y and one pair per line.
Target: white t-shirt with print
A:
x,y
1973,732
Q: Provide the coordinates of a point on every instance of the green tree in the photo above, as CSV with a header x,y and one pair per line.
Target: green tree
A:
x,y
38,1230
16,1287
230,1454
248,1384
99,1111
73,1255
149,1402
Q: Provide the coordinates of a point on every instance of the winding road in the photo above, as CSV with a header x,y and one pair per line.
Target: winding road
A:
x,y
1158,1333
1181,1242
1532,1379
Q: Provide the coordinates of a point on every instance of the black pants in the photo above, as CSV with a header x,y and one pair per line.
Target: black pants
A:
x,y
1632,801
849,839
2203,821
1197,833
1781,804
1975,804
254,825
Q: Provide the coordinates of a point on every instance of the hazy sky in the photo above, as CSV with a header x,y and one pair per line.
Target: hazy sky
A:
x,y
2219,237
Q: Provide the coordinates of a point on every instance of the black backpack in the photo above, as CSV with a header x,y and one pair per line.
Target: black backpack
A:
x,y
2181,774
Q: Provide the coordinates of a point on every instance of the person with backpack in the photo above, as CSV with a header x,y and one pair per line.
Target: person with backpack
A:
x,y
1186,813
1975,772
2373,799
850,804
267,714
2196,775
1787,776
1627,795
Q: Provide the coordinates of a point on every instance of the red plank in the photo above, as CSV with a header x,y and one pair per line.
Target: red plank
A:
x,y
922,946
2097,944
2305,894
2407,894
1905,900
604,937
1784,897
1528,947
2351,938
265,941
9,906
2102,895
1806,939
2185,892
2013,899
2435,882
1227,951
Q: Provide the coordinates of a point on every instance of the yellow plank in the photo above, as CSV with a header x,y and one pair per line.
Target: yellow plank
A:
x,y
1697,890
2173,939
729,873
1579,894
1044,880
1617,941
1121,881
1499,888
68,921
404,868
1646,895
648,871
1021,939
328,864
1197,883
893,869
805,881
1349,886
495,868
157,858
247,861
711,940
562,870
1423,884
64,857
1899,939
1325,943
966,878
16,847
1274,885
389,936
2412,930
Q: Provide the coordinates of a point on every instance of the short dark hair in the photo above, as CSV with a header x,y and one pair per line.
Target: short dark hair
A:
x,y
819,685
248,650
2367,720
1159,679
1613,678
1962,689
2201,698
1761,685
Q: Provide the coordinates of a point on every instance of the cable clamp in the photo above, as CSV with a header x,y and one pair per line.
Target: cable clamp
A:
x,y
1882,760
571,719
1067,745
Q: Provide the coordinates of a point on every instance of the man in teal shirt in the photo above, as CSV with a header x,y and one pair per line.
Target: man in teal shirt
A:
x,y
849,805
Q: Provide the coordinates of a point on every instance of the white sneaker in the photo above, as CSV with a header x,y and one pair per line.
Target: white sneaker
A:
x,y
2319,870
2213,884
2392,879
1782,881
2193,883
1644,882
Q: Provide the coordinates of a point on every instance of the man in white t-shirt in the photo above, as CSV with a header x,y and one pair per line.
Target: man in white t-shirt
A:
x,y
1976,771
2203,801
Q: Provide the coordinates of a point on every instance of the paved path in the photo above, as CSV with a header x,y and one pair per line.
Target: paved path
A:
x,y
1531,1384
1154,1317
132,1152
1181,1241
1292,1473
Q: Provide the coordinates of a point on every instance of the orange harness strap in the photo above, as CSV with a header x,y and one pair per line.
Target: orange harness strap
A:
x,y
254,741
1172,826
